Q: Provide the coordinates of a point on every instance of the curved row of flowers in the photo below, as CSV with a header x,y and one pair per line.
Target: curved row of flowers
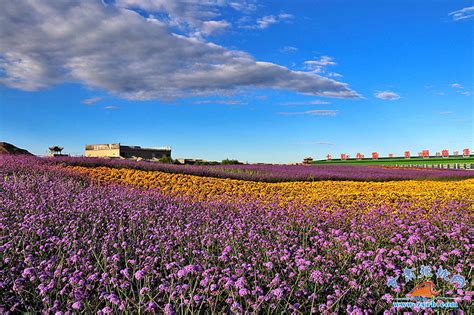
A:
x,y
272,173
336,194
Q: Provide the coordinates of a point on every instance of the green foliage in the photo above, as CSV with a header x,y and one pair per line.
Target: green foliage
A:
x,y
230,162
166,159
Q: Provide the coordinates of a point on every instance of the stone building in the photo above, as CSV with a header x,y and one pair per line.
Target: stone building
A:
x,y
116,150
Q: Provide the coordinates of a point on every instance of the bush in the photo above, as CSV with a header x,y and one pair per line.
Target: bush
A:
x,y
230,162
166,159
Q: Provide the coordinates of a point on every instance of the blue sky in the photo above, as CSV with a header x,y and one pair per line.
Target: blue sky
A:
x,y
259,81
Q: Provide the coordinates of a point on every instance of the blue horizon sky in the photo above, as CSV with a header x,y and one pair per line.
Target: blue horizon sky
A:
x,y
408,69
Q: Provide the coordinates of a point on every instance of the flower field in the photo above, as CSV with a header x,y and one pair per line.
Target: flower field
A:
x,y
77,237
272,173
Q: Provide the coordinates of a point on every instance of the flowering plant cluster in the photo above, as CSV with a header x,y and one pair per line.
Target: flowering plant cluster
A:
x,y
70,244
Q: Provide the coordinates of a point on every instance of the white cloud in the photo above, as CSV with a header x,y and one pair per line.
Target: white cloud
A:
x,y
456,86
285,16
92,100
335,75
466,93
314,102
265,21
214,27
45,43
223,102
288,49
314,112
195,18
185,14
445,113
317,142
319,65
323,61
110,107
462,14
243,6
387,95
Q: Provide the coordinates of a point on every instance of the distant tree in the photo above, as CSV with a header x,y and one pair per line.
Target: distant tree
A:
x,y
230,162
166,159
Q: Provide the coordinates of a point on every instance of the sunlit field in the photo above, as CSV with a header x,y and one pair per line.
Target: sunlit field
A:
x,y
106,237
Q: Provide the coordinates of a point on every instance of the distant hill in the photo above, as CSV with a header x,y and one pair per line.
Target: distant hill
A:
x,y
7,148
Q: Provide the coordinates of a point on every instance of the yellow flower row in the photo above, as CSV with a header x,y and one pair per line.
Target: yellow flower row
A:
x,y
424,193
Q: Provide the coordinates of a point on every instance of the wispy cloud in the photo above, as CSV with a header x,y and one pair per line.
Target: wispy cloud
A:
x,y
335,75
265,21
445,113
319,65
314,102
110,107
434,90
223,102
243,6
461,120
462,14
193,17
316,142
460,89
323,61
288,49
315,112
92,100
387,95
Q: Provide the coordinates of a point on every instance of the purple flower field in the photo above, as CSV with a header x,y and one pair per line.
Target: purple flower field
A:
x,y
274,173
68,245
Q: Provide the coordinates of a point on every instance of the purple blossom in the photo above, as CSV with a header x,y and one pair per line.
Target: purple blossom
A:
x,y
106,310
388,298
317,276
77,305
144,290
268,265
278,293
151,307
139,274
243,292
114,299
168,310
